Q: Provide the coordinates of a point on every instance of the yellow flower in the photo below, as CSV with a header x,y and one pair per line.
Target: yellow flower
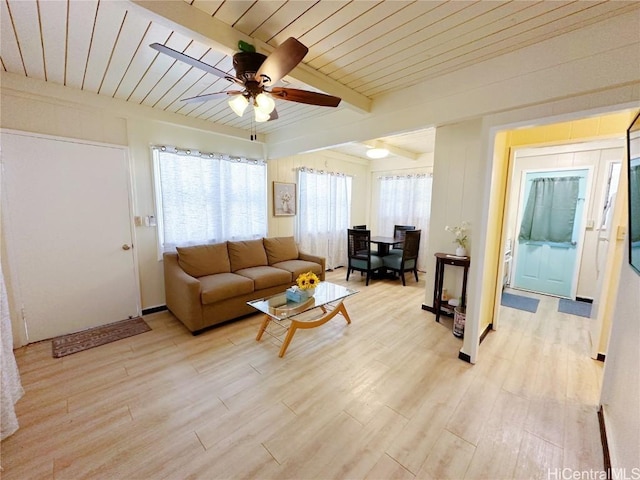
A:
x,y
307,280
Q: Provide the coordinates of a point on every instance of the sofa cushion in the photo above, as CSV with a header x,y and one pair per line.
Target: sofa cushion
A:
x,y
222,286
201,260
266,276
280,249
246,254
296,267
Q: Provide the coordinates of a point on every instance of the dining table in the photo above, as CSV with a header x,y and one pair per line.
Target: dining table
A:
x,y
385,243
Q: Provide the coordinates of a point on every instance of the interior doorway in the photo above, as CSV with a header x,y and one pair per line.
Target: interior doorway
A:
x,y
597,263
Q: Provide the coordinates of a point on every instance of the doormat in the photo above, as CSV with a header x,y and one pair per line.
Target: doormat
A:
x,y
96,336
519,302
582,309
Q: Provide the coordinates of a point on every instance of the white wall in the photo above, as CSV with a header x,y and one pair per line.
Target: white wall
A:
x,y
47,115
457,188
621,381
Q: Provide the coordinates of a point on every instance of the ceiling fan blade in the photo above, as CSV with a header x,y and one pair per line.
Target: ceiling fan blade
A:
x,y
211,96
281,61
304,96
194,62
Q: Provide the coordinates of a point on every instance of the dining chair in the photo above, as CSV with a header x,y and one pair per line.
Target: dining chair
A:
x,y
360,257
398,232
408,260
364,227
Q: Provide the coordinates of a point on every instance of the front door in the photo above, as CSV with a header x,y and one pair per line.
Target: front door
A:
x,y
547,266
68,234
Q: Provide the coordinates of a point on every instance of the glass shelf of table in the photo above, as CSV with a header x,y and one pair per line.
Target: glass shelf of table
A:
x,y
280,307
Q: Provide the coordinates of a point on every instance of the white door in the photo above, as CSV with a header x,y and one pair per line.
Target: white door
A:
x,y
68,231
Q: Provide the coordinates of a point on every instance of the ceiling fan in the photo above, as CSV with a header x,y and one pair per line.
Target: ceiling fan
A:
x,y
256,74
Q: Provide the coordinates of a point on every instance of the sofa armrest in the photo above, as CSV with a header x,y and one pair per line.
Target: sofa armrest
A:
x,y
182,293
314,258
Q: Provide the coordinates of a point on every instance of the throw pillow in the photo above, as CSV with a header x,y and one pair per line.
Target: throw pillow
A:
x,y
201,260
246,254
280,249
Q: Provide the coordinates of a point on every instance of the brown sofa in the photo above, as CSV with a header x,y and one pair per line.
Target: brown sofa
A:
x,y
209,284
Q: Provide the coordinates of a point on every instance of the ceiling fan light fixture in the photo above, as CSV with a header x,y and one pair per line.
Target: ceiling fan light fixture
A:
x,y
238,104
265,103
260,115
377,153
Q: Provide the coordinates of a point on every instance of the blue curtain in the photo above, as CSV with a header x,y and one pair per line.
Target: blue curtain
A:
x,y
550,211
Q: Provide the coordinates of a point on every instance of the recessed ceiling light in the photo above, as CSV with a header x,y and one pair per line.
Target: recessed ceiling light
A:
x,y
377,152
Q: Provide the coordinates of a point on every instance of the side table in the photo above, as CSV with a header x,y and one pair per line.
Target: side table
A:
x,y
443,259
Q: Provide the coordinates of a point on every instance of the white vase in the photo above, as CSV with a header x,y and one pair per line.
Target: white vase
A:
x,y
461,252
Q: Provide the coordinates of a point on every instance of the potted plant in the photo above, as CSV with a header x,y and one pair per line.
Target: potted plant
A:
x,y
461,238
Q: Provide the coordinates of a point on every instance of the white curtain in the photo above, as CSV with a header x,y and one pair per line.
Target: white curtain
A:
x,y
10,386
406,200
208,198
323,217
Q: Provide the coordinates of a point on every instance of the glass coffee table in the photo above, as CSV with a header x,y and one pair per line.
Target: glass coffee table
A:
x,y
287,315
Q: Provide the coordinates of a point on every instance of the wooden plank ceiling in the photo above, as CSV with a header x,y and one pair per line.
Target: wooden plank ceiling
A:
x,y
370,48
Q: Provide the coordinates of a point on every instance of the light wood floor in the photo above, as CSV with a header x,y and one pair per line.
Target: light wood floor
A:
x,y
383,398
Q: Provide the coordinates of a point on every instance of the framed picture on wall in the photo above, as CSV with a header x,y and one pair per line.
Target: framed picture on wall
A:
x,y
284,199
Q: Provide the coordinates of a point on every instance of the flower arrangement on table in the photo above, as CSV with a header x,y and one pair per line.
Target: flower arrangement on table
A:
x,y
307,281
460,237
304,287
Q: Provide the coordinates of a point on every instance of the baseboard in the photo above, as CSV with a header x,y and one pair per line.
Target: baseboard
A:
x,y
486,331
605,444
464,356
148,311
428,308
584,299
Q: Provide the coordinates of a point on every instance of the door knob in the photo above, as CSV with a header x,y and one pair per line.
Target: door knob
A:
x,y
126,247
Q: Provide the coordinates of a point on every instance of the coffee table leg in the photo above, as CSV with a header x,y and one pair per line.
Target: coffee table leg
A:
x,y
263,327
344,313
287,340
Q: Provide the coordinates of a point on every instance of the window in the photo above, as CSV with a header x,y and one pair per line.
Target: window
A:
x,y
406,200
208,197
323,217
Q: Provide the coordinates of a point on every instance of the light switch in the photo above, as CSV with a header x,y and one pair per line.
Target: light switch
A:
x,y
621,233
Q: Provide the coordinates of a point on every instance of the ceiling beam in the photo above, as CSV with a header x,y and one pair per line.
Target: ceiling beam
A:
x,y
194,23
